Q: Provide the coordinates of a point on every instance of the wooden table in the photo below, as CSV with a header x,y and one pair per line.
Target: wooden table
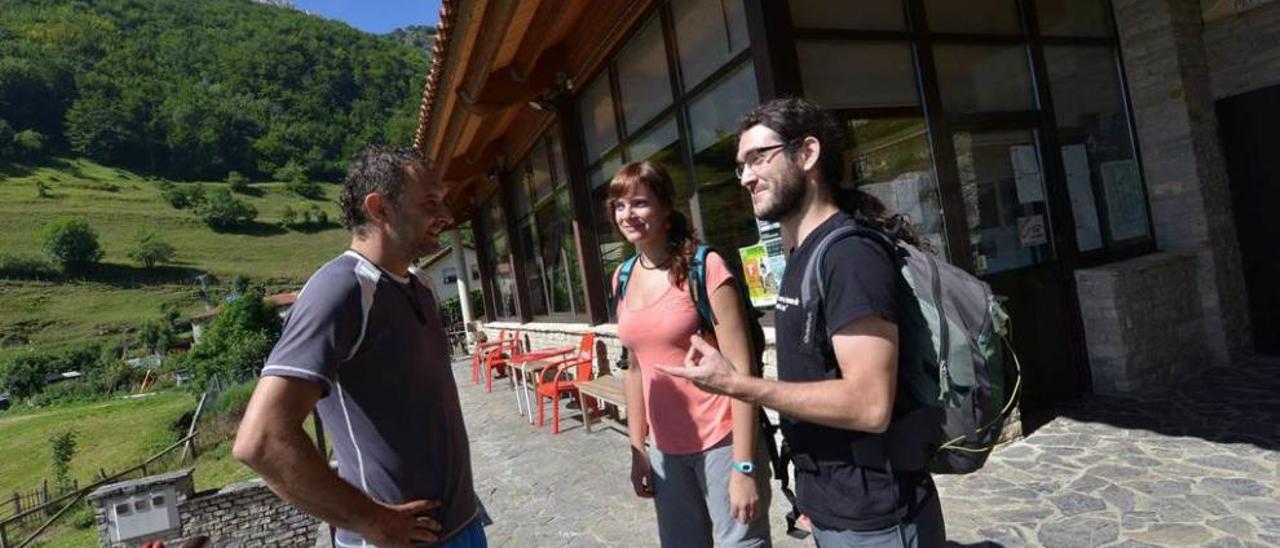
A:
x,y
532,363
607,388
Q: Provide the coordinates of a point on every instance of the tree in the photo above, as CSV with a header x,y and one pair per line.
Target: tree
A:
x,y
6,139
28,144
63,446
237,183
221,210
237,341
150,250
71,243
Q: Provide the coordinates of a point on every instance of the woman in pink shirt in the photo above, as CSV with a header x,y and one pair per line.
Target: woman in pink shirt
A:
x,y
703,465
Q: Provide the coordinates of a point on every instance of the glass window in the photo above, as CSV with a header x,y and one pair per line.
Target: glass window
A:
x,y
141,506
983,78
705,35
662,144
891,160
123,509
450,274
498,260
533,268
559,255
1073,17
1003,188
727,219
613,249
157,501
868,15
644,79
1103,179
973,16
857,74
538,173
713,117
599,127
600,176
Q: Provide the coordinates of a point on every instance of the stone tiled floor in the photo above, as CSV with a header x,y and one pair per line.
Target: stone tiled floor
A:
x,y
1198,465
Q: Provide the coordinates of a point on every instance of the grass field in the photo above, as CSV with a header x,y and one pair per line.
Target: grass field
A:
x,y
120,295
112,434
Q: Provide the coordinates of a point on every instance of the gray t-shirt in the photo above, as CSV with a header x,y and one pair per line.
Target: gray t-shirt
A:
x,y
375,344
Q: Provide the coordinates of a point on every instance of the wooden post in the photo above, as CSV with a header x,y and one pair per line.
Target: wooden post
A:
x,y
191,446
4,542
17,503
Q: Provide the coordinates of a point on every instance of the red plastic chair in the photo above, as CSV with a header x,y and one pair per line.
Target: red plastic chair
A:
x,y
562,377
481,351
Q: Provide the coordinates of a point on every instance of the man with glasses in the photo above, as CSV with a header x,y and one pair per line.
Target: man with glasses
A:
x,y
836,398
365,346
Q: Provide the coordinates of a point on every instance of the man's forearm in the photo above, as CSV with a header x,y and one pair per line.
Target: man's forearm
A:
x,y
832,403
296,471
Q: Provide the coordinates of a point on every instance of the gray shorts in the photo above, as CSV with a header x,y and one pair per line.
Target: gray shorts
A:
x,y
691,495
925,530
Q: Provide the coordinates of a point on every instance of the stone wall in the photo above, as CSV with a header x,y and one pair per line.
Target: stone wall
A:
x,y
247,514
1169,84
1140,328
1244,50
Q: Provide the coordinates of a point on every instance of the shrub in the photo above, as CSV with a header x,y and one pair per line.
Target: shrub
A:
x,y
6,139
26,266
288,217
29,144
42,190
306,189
222,210
181,196
237,183
233,400
63,449
322,218
151,250
306,216
236,342
71,243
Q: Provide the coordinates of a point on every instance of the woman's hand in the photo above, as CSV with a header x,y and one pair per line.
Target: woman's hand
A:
x,y
641,473
744,498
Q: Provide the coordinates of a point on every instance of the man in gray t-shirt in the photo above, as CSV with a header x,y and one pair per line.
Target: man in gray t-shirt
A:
x,y
365,346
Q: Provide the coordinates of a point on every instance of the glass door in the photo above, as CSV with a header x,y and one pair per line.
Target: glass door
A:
x,y
1010,232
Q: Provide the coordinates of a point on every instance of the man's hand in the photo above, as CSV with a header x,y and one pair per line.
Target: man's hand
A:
x,y
744,497
404,525
641,474
706,367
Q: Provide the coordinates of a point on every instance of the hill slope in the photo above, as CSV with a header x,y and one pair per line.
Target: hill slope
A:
x,y
193,90
119,205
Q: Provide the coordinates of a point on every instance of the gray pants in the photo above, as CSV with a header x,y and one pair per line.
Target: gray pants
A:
x,y
691,494
925,530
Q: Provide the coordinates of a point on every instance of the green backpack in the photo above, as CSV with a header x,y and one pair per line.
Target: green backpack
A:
x,y
952,374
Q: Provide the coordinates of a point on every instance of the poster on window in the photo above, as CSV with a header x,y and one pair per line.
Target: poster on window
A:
x,y
1075,159
1026,173
1126,209
1032,231
762,273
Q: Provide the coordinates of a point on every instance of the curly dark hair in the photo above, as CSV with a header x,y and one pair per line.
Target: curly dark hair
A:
x,y
377,168
795,118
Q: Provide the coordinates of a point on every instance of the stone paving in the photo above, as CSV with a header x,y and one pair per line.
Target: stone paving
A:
x,y
1196,466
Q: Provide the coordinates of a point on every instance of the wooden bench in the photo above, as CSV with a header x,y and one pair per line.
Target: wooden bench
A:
x,y
606,388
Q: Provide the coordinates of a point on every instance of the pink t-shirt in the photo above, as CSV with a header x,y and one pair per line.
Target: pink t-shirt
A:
x,y
682,418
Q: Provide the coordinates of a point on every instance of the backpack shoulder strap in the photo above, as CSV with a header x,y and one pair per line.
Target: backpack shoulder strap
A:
x,y
698,287
624,276
812,287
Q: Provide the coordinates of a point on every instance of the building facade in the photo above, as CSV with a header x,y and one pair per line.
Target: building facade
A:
x,y
1066,151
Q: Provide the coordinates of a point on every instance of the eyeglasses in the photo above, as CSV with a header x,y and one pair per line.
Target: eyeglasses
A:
x,y
756,158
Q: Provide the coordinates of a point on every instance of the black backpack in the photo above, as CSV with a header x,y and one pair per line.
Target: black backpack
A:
x,y
779,456
952,374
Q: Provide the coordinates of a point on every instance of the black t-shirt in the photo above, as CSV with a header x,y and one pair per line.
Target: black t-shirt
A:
x,y
860,280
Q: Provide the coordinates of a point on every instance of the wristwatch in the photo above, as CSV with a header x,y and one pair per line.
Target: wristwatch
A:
x,y
744,467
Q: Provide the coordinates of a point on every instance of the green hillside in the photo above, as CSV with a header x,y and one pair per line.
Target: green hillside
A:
x,y
119,294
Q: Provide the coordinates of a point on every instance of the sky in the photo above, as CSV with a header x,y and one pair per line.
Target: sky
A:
x,y
375,16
